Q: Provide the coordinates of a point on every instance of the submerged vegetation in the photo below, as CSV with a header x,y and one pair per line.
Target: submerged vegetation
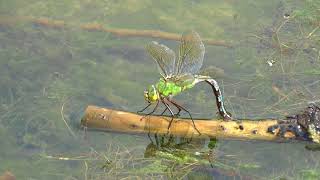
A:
x,y
48,75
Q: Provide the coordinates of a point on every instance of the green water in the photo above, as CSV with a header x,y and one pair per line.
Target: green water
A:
x,y
48,75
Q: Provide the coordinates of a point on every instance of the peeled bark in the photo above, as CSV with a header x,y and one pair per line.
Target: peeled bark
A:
x,y
119,121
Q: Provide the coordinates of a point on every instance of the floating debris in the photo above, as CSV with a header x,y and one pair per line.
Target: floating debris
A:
x,y
271,62
305,125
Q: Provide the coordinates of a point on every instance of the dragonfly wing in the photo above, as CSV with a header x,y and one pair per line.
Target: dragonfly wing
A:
x,y
164,57
191,53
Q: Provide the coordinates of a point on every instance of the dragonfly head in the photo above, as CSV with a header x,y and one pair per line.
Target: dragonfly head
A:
x,y
151,94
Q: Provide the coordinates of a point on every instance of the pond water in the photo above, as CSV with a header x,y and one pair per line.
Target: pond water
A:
x,y
51,68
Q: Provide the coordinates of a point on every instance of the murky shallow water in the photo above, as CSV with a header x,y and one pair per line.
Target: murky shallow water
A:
x,y
50,73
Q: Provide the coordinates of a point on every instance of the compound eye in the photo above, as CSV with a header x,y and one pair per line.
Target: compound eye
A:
x,y
146,94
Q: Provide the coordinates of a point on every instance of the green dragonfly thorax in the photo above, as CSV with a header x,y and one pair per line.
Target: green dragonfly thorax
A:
x,y
167,88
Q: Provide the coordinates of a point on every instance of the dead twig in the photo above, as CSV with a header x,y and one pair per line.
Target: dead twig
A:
x,y
121,32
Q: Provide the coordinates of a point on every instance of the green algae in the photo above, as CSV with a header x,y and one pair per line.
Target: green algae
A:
x,y
309,174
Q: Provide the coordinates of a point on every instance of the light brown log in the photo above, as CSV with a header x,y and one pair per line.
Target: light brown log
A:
x,y
113,120
7,176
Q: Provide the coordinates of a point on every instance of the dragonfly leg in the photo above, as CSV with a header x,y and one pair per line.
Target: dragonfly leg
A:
x,y
172,114
144,108
182,108
150,137
156,139
178,113
154,109
175,115
164,111
169,98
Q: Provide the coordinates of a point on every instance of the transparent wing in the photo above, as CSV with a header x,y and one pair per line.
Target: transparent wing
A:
x,y
164,57
191,53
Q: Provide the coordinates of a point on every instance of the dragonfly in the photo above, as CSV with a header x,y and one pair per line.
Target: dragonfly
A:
x,y
179,74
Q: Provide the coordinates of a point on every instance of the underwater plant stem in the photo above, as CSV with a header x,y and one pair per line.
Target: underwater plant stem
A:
x,y
112,120
64,120
313,31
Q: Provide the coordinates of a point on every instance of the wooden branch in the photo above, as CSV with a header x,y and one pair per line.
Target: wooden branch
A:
x,y
113,120
7,176
50,23
148,33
